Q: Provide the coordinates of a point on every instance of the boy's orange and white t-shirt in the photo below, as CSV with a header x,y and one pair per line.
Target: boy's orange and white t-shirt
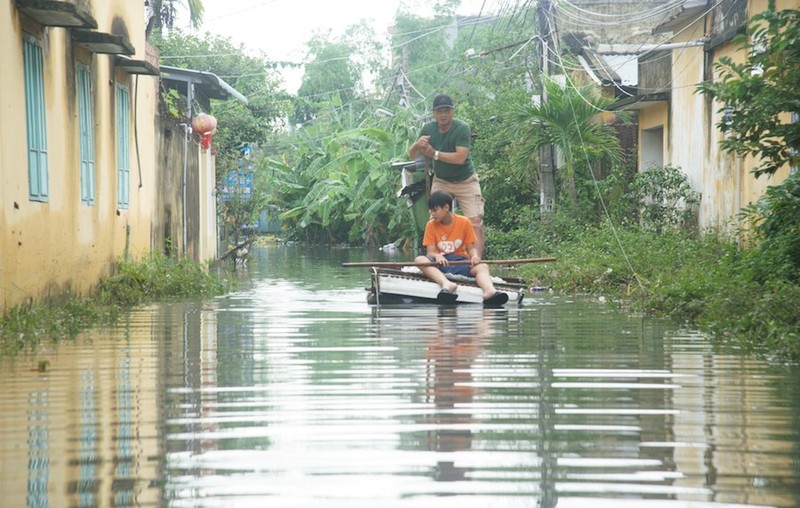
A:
x,y
451,239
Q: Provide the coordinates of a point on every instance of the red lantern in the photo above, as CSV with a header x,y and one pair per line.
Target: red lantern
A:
x,y
205,125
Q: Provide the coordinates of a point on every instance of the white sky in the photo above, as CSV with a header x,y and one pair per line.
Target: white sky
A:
x,y
282,27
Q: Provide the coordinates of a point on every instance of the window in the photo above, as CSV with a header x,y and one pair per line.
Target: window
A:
x,y
123,147
652,149
86,133
35,119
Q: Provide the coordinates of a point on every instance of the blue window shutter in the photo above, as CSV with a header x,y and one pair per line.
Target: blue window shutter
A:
x,y
123,147
86,133
36,120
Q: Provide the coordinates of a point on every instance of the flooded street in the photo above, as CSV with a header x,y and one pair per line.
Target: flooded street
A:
x,y
293,392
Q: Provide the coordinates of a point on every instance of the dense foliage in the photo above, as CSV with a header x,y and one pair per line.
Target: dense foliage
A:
x,y
336,71
775,220
702,280
567,120
664,199
334,184
253,75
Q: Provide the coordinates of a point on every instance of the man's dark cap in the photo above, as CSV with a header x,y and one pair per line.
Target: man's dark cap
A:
x,y
442,101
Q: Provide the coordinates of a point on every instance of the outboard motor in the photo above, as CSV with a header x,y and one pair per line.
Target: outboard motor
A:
x,y
415,185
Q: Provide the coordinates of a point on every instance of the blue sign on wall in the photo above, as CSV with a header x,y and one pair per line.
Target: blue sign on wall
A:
x,y
238,184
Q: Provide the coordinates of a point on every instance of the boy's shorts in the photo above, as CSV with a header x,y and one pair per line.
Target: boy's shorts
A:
x,y
454,269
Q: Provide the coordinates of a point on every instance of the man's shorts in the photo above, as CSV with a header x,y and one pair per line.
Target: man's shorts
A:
x,y
467,193
454,269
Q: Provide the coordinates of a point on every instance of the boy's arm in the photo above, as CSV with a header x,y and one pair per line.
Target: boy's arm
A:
x,y
433,252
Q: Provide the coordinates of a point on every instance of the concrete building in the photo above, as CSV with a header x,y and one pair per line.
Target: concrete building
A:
x,y
677,125
90,170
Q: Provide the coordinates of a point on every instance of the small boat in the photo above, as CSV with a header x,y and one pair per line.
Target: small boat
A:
x,y
409,285
402,283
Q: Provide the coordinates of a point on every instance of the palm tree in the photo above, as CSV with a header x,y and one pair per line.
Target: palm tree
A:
x,y
569,120
162,13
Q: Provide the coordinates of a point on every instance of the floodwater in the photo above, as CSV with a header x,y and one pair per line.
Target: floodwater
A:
x,y
293,392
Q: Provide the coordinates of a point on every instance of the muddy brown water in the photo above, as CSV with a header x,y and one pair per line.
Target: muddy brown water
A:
x,y
293,392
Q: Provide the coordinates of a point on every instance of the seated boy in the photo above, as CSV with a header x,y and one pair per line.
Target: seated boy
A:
x,y
450,237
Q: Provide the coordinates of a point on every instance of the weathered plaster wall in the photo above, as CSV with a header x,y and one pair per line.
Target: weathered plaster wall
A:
x,y
726,183
687,138
63,245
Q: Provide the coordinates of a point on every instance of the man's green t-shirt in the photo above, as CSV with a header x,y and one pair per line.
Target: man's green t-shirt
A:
x,y
458,135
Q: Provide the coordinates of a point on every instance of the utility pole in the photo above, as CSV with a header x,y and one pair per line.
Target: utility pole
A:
x,y
547,178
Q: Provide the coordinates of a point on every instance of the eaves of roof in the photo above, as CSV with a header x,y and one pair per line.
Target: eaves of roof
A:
x,y
638,102
210,84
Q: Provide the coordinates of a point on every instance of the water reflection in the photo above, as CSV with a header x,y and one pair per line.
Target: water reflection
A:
x,y
450,387
294,392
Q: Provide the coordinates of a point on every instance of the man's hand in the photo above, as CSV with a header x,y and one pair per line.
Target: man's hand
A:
x,y
421,147
440,259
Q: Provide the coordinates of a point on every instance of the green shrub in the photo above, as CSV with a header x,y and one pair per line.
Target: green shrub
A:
x,y
531,237
775,218
706,281
154,278
757,317
664,197
158,277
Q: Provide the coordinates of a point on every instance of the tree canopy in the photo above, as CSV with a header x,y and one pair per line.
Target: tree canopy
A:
x,y
252,75
325,162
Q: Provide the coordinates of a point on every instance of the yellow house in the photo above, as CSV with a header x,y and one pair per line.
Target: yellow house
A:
x,y
677,125
89,170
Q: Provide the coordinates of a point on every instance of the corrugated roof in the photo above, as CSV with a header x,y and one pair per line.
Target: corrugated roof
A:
x,y
626,66
620,69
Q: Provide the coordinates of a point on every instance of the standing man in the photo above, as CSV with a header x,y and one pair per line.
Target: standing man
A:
x,y
448,142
